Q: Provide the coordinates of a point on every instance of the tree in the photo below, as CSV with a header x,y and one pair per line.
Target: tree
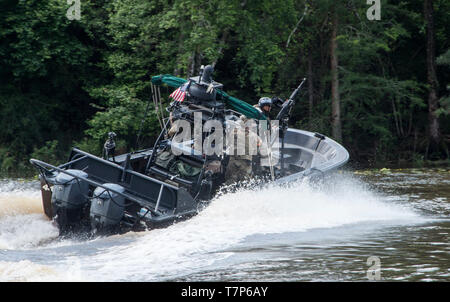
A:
x,y
335,99
374,85
44,63
433,103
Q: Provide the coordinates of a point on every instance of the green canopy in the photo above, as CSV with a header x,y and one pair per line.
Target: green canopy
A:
x,y
168,79
238,105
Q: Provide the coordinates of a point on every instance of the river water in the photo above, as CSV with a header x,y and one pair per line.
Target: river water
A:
x,y
389,225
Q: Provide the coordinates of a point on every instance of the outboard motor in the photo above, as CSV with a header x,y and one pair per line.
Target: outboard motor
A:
x,y
69,198
107,208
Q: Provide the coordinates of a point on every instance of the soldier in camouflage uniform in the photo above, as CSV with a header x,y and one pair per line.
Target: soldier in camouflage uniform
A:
x,y
264,106
264,165
239,167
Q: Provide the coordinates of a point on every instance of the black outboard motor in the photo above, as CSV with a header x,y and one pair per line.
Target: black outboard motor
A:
x,y
107,208
69,196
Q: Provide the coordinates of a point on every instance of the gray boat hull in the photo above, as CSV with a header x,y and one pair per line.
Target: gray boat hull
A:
x,y
156,199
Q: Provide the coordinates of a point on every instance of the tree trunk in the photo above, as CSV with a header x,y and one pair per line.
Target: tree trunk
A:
x,y
223,40
310,84
335,100
177,70
192,64
433,104
195,61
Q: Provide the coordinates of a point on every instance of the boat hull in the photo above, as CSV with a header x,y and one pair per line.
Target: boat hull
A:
x,y
138,199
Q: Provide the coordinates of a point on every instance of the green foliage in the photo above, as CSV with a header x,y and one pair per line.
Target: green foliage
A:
x,y
444,102
45,60
89,145
50,153
7,161
122,113
67,83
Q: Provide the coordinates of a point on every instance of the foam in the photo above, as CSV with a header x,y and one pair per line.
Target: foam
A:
x,y
195,243
27,271
198,242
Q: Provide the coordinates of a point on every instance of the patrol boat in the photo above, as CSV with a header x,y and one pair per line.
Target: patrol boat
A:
x,y
152,187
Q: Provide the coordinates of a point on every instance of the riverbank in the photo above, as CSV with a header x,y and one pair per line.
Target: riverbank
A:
x,y
31,173
399,165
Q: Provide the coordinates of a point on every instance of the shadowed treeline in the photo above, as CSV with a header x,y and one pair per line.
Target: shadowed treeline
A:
x,y
378,86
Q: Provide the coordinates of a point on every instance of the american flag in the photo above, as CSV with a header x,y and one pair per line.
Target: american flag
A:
x,y
180,93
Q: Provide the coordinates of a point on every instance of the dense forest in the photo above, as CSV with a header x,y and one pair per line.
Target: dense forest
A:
x,y
378,80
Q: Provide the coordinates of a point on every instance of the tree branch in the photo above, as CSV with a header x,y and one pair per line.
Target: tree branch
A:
x,y
296,26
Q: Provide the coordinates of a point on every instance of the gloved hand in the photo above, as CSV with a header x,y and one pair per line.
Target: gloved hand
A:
x,y
277,102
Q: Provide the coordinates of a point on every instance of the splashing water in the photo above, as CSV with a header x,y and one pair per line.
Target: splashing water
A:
x,y
22,222
204,239
230,218
27,271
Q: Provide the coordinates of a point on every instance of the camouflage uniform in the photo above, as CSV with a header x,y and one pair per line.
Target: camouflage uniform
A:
x,y
265,159
239,167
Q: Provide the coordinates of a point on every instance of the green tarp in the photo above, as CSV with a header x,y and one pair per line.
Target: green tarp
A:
x,y
238,105
169,80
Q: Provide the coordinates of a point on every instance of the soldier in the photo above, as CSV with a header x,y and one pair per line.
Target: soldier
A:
x,y
239,167
264,164
264,106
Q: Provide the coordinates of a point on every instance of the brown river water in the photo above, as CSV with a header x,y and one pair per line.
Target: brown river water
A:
x,y
388,225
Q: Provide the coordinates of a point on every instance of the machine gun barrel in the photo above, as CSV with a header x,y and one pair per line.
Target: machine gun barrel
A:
x,y
283,117
285,109
294,94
